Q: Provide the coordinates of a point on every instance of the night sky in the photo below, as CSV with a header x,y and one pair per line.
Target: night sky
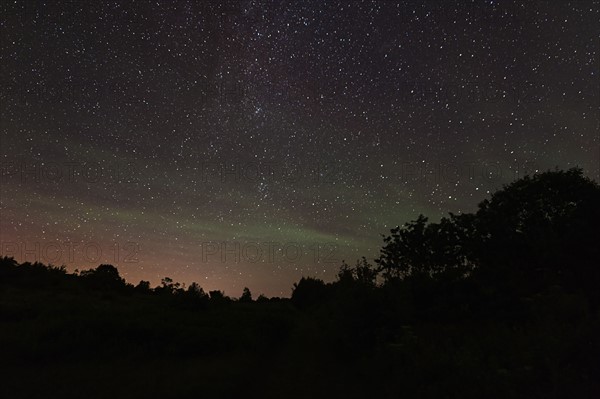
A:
x,y
249,143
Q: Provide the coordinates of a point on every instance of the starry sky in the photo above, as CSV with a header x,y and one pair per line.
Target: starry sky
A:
x,y
251,142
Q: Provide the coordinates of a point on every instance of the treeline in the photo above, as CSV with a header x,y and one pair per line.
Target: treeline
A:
x,y
106,278
536,235
539,233
502,302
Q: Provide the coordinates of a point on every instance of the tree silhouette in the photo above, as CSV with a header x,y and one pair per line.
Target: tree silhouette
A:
x,y
168,286
195,290
7,269
8,262
143,286
218,297
405,250
104,277
246,295
422,249
262,298
308,291
363,273
540,229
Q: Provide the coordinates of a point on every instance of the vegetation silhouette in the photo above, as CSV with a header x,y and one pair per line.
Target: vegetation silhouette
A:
x,y
502,302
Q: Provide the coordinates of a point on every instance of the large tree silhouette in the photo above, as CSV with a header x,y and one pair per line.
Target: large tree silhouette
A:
x,y
536,231
540,229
